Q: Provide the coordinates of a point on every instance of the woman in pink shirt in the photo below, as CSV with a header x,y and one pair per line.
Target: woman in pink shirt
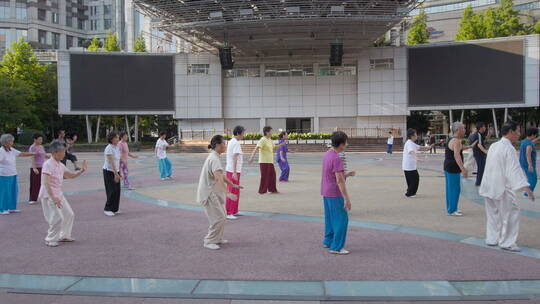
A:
x,y
124,155
37,164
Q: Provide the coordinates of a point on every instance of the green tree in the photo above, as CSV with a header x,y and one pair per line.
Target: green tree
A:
x,y
471,26
15,96
111,42
536,27
509,23
140,44
418,33
95,45
492,26
19,62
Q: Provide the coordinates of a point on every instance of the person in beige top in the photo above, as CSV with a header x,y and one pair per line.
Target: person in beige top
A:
x,y
212,191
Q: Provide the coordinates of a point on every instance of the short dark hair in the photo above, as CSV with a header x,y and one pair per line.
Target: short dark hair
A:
x,y
238,130
162,133
410,133
122,134
111,136
508,126
282,134
36,136
216,140
532,132
480,125
266,130
338,138
390,132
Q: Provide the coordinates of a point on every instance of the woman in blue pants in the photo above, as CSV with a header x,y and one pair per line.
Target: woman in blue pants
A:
x,y
282,159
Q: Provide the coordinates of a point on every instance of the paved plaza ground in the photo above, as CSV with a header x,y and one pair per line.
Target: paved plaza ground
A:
x,y
160,230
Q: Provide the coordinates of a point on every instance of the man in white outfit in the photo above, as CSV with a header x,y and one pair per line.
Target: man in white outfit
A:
x,y
503,176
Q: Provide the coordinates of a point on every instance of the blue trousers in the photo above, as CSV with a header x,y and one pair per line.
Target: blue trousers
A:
x,y
284,167
453,188
389,149
165,167
336,220
9,193
532,178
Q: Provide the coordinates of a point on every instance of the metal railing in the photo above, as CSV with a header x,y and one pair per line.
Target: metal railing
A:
x,y
351,132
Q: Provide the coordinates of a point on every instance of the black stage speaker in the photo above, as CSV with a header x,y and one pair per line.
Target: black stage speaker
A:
x,y
225,57
336,54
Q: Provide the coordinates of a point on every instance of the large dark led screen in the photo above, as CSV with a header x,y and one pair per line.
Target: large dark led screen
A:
x,y
479,74
122,82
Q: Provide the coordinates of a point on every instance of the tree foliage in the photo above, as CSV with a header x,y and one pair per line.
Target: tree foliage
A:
x,y
140,44
418,33
502,21
95,45
111,42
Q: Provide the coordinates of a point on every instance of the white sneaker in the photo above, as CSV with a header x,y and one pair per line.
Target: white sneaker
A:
x,y
108,213
118,212
67,240
341,252
457,213
14,211
52,244
163,178
31,202
231,217
212,246
4,213
514,248
224,242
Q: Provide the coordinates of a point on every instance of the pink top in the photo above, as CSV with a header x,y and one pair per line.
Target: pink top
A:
x,y
332,163
124,151
55,170
40,155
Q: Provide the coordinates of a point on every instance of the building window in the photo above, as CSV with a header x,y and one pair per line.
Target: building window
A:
x,y
69,41
21,34
42,14
55,41
302,70
21,11
69,21
107,23
3,38
244,71
42,37
54,17
282,70
107,9
198,69
80,24
93,11
5,11
381,64
93,25
81,42
345,70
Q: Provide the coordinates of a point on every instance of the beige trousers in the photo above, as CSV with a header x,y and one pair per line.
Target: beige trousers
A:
x,y
60,220
214,207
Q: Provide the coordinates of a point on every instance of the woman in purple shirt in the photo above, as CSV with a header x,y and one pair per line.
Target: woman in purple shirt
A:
x,y
336,199
37,164
281,157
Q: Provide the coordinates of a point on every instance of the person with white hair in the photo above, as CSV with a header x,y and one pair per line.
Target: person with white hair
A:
x,y
454,168
9,189
503,176
56,208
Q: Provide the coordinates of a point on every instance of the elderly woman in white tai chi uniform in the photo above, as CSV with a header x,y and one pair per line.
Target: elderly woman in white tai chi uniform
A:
x,y
503,176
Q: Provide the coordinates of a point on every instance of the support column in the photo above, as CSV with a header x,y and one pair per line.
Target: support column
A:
x,y
495,123
505,114
462,116
136,128
127,129
89,129
316,124
262,123
97,128
451,120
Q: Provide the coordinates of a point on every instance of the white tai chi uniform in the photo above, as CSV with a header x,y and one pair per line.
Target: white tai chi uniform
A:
x,y
502,177
60,220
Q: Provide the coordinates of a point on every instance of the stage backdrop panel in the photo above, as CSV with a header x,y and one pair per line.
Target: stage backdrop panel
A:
x,y
122,82
466,74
